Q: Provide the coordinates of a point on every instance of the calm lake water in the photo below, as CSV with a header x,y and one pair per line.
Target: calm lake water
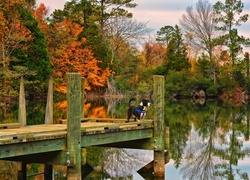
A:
x,y
208,141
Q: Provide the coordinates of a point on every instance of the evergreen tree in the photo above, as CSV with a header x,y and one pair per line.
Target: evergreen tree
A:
x,y
164,35
176,57
228,16
35,57
105,9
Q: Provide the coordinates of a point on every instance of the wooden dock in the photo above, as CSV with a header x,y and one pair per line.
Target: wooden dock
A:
x,y
52,137
65,144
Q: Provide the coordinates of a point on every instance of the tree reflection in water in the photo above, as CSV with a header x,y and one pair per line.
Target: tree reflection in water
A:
x,y
215,141
124,162
207,141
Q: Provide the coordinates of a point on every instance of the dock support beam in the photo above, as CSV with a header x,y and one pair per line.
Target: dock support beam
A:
x,y
74,123
159,142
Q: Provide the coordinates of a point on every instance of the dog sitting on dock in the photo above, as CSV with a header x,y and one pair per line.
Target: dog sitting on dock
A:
x,y
138,112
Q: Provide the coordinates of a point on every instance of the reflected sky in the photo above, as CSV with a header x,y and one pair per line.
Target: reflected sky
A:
x,y
172,173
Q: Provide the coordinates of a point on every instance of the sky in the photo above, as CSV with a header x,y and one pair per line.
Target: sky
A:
x,y
160,13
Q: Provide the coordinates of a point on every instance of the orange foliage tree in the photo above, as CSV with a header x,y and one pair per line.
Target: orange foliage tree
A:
x,y
13,35
153,54
77,59
68,55
40,14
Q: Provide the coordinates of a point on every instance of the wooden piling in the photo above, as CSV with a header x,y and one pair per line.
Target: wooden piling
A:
x,y
22,172
48,172
159,143
22,105
49,105
74,123
82,98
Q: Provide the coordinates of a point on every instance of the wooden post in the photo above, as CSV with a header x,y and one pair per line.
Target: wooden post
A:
x,y
48,169
22,105
49,105
22,173
74,123
48,172
159,143
82,98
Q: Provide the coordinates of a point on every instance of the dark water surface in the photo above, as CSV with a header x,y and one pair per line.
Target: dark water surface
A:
x,y
208,141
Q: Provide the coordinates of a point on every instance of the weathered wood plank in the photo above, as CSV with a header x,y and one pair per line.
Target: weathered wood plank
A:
x,y
31,138
63,158
114,137
27,148
64,121
88,128
111,120
9,125
108,120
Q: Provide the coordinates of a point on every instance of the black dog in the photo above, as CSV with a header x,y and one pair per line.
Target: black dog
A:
x,y
138,112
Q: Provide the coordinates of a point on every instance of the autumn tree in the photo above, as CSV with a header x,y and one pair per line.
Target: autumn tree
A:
x,y
41,14
153,54
22,46
228,16
12,34
71,57
82,12
77,59
108,28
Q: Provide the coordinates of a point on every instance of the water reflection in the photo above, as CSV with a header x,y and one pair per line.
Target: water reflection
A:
x,y
207,141
116,163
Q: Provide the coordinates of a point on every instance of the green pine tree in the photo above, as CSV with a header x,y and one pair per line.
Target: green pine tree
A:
x,y
228,15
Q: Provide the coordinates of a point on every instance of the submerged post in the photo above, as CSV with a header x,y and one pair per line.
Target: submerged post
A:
x,y
159,143
74,123
22,105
